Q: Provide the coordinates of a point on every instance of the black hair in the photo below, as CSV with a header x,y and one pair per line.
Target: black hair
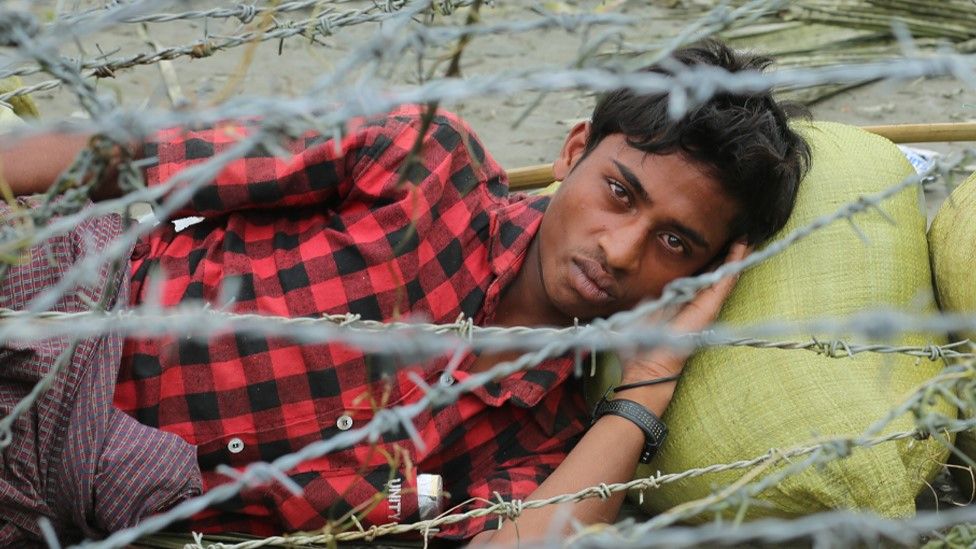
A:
x,y
742,139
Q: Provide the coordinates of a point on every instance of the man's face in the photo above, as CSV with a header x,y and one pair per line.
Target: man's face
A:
x,y
624,223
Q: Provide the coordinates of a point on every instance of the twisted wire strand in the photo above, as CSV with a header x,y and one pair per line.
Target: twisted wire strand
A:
x,y
324,24
241,11
422,339
675,293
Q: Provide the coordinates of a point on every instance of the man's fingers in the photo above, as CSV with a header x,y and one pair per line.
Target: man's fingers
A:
x,y
738,251
694,316
704,308
723,287
702,311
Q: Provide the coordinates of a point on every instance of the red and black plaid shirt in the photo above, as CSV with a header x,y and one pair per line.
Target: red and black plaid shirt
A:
x,y
328,230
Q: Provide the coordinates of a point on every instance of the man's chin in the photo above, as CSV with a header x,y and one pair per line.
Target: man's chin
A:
x,y
584,313
570,305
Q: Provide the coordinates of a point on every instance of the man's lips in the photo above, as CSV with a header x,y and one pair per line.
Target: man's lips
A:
x,y
593,282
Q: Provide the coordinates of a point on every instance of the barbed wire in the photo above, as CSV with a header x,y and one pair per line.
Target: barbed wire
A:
x,y
878,325
192,178
324,24
824,451
696,83
419,339
828,529
716,20
388,418
117,12
243,12
818,452
689,85
281,118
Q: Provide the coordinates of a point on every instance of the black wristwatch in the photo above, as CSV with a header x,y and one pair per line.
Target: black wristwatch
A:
x,y
655,431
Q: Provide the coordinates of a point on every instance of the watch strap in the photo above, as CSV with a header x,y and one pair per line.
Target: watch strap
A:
x,y
655,431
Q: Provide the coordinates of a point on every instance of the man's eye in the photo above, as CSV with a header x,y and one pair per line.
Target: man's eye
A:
x,y
674,242
619,191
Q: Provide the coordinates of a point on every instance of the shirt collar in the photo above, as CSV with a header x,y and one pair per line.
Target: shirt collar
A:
x,y
511,230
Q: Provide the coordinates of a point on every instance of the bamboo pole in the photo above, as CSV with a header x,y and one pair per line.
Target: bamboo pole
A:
x,y
530,177
540,175
926,133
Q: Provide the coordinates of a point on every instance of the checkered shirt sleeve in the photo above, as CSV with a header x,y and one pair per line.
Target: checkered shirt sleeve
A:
x,y
312,174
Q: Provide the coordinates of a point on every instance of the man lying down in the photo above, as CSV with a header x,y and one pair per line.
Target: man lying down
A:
x,y
328,230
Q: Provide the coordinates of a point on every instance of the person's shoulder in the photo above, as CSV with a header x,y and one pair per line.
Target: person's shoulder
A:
x,y
413,116
446,135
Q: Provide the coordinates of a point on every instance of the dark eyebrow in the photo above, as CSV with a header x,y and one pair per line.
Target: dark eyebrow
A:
x,y
634,182
694,236
690,234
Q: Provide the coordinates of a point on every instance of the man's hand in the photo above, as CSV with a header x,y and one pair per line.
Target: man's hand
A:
x,y
694,316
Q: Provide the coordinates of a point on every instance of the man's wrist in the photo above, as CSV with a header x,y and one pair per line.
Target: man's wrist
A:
x,y
653,397
653,430
653,365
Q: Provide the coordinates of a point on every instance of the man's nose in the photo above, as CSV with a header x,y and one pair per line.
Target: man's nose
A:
x,y
623,246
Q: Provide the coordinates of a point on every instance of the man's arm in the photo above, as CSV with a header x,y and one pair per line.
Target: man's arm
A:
x,y
30,165
315,172
610,449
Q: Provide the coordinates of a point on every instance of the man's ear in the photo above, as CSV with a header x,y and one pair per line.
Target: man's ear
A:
x,y
572,150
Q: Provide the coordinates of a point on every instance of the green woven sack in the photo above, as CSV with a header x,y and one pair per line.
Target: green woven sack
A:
x,y
951,239
736,403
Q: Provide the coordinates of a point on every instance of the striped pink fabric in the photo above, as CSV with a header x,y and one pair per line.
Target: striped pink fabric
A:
x,y
74,458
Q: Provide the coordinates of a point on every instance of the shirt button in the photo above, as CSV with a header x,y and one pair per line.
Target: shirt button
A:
x,y
447,379
235,445
344,423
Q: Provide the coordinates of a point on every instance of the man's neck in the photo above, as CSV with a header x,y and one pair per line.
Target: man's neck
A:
x,y
525,301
